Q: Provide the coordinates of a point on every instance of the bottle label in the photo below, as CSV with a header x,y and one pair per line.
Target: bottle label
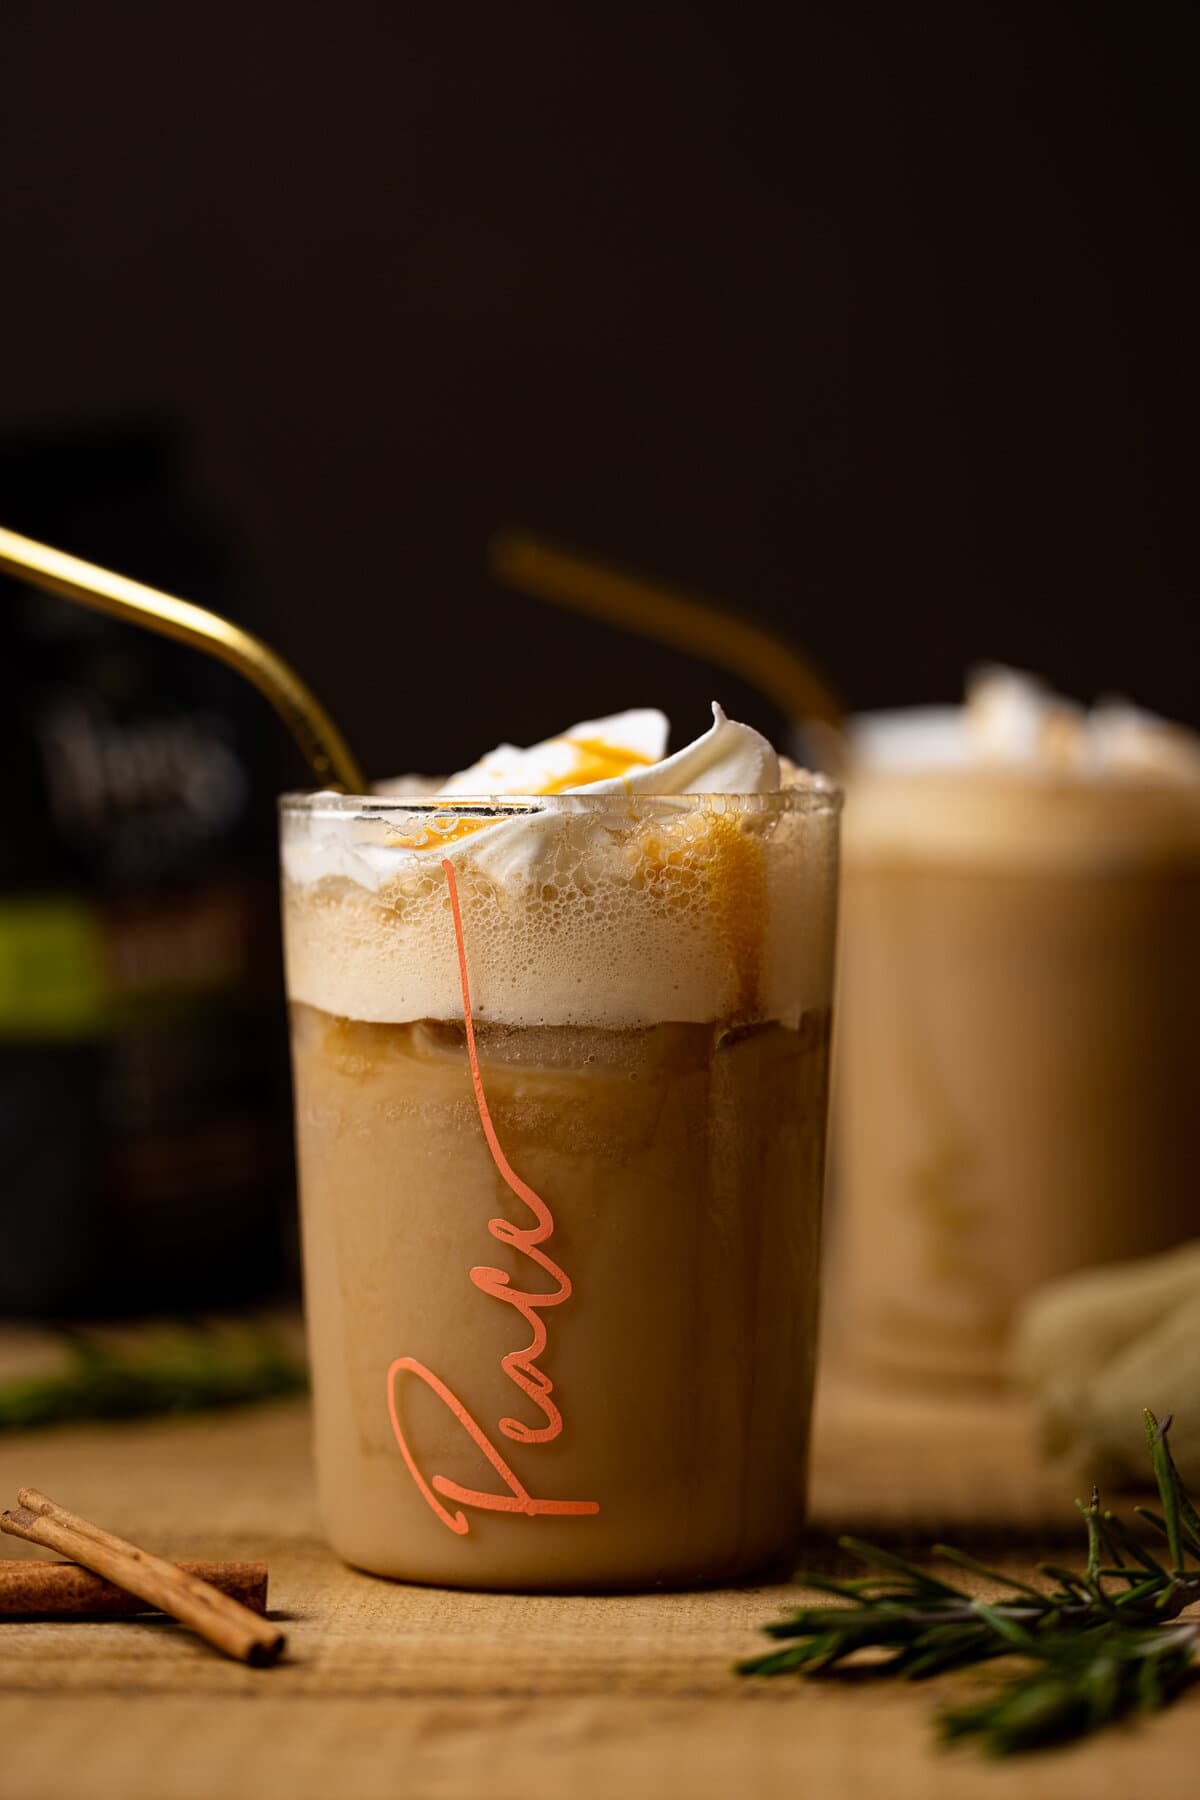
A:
x,y
53,982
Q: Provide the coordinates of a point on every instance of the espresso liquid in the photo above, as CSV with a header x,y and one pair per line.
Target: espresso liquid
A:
x,y
682,1165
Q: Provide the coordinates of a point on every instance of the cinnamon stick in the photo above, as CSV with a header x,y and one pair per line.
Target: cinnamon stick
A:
x,y
59,1590
225,1623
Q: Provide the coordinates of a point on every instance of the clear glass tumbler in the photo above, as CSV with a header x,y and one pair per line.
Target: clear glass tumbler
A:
x,y
561,1071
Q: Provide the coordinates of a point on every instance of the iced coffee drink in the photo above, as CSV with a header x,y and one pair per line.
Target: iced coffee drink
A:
x,y
1020,985
560,1040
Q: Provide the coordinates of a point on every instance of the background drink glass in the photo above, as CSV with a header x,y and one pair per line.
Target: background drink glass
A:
x,y
652,1031
1017,1060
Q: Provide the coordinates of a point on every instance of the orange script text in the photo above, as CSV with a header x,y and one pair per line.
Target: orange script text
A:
x,y
521,1366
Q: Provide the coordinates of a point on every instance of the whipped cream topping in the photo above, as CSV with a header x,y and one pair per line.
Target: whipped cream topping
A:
x,y
618,755
1013,721
670,891
728,759
1018,775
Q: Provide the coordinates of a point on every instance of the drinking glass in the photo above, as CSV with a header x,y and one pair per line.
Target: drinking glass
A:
x,y
560,1084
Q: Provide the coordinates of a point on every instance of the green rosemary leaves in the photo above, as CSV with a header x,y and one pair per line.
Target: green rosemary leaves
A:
x,y
168,1368
1093,1645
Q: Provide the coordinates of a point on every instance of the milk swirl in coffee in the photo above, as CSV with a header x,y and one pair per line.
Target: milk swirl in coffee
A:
x,y
560,1039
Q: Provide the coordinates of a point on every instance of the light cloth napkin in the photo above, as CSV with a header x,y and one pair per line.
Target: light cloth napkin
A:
x,y
1097,1347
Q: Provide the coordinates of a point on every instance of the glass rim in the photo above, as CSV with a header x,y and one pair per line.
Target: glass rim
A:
x,y
814,794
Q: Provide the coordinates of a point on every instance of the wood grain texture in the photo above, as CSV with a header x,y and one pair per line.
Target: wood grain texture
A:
x,y
393,1689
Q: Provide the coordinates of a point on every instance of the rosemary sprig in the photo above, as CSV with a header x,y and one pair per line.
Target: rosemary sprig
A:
x,y
1093,1645
177,1368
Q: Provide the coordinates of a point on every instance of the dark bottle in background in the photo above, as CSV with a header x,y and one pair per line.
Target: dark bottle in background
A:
x,y
144,1132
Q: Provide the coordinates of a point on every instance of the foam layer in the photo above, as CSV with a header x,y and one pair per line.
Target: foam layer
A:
x,y
1017,776
623,902
1018,820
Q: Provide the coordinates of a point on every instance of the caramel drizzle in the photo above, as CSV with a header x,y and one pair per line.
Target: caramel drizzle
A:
x,y
597,761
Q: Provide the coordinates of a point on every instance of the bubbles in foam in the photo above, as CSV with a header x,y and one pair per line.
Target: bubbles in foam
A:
x,y
712,910
668,890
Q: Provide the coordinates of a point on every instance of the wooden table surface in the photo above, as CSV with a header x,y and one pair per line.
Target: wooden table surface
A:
x,y
402,1691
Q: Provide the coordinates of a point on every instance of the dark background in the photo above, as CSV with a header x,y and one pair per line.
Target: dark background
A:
x,y
880,328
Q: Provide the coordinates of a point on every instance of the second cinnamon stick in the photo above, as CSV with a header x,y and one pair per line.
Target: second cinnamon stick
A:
x,y
63,1590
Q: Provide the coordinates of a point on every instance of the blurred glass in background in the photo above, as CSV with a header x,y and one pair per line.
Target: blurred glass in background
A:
x,y
1018,1062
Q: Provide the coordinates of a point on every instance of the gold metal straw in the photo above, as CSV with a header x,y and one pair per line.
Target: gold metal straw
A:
x,y
301,711
686,621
